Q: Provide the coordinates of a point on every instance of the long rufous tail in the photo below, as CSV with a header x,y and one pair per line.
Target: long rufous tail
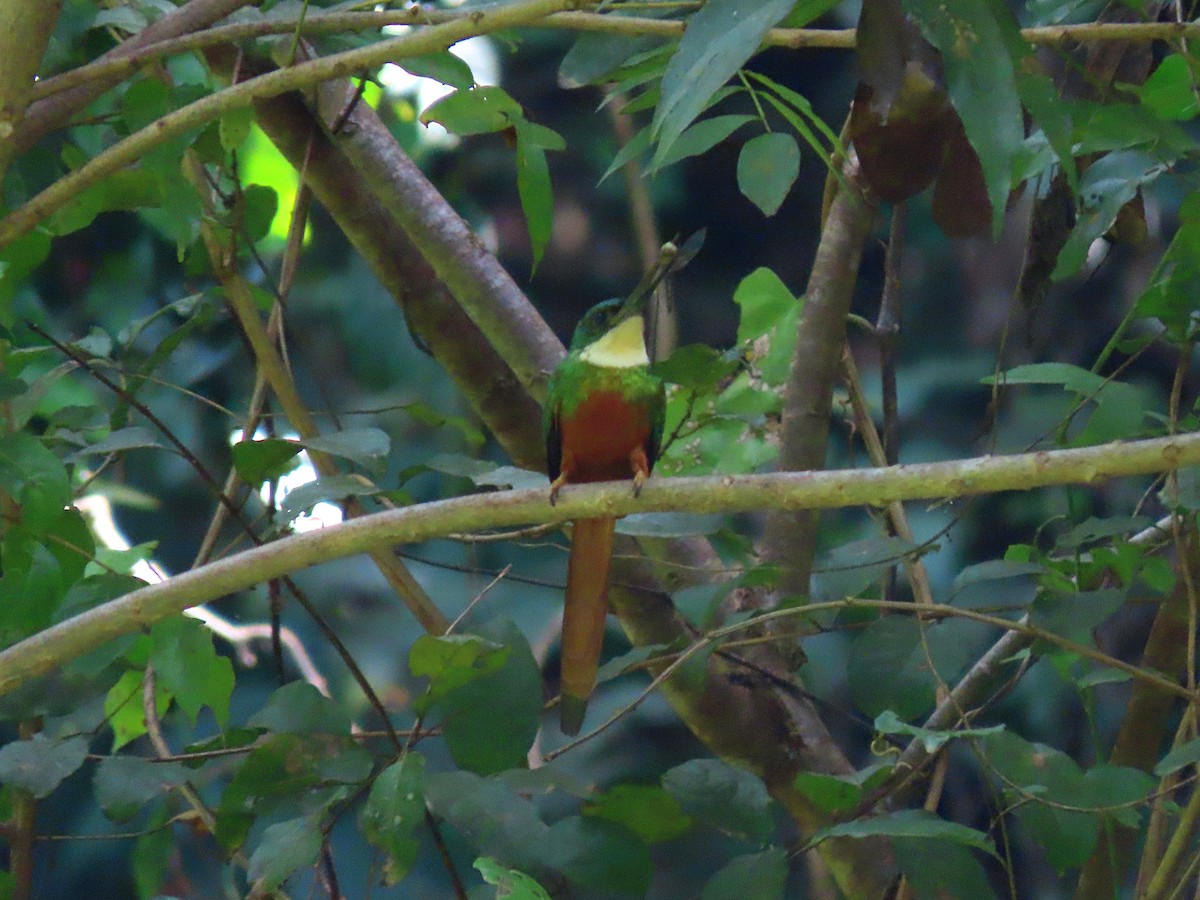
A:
x,y
583,616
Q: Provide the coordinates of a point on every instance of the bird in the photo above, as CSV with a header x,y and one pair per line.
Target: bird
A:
x,y
603,421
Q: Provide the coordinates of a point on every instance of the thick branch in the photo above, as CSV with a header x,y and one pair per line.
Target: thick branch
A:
x,y
790,539
792,491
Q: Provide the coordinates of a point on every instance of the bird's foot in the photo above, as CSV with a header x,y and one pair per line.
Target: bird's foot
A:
x,y
639,479
555,486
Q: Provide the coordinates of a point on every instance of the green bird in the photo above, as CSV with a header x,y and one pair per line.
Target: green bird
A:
x,y
603,422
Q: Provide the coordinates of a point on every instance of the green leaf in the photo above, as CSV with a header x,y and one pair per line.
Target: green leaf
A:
x,y
394,811
234,126
764,300
480,110
1170,91
35,477
188,666
832,793
729,799
1107,185
887,722
647,810
635,147
444,67
124,711
285,847
1075,615
1067,836
491,816
329,489
697,367
536,193
699,138
259,461
260,203
131,438
299,708
754,876
910,823
451,662
896,645
720,37
510,884
767,168
366,447
124,784
941,869
146,101
40,764
1181,757
492,721
600,855
974,37
849,569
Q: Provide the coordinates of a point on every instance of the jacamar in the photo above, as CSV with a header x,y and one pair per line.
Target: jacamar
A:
x,y
604,422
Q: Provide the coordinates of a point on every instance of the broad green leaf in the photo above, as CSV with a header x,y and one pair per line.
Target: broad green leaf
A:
x,y
452,661
697,366
491,816
125,17
600,855
124,711
133,437
480,110
764,300
287,769
444,67
259,461
40,764
260,203
147,100
325,490
536,193
699,138
647,810
767,168
234,126
849,569
887,722
981,81
1075,615
394,811
755,876
977,585
1067,836
1182,756
910,823
729,799
938,868
806,12
367,447
124,784
510,884
721,36
34,477
491,722
594,56
299,708
636,146
1071,377
1093,529
909,653
152,853
832,793
285,847
1170,91
187,665
1107,185
1123,790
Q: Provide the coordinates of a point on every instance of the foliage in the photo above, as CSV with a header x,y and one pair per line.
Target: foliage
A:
x,y
197,354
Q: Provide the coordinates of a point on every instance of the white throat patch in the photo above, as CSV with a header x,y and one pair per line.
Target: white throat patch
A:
x,y
622,348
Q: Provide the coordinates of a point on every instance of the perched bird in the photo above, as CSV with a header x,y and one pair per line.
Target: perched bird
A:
x,y
603,422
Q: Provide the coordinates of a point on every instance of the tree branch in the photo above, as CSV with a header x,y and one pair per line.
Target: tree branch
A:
x,y
133,147
25,30
51,648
